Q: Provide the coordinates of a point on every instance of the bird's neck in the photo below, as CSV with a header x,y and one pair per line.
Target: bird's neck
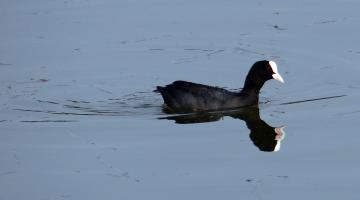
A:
x,y
251,96
252,85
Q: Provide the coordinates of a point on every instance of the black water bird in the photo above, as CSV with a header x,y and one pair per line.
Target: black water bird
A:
x,y
183,96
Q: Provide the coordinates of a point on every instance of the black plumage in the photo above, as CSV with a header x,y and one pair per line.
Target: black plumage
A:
x,y
183,96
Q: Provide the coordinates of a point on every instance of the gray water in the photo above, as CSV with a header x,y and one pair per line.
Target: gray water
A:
x,y
79,120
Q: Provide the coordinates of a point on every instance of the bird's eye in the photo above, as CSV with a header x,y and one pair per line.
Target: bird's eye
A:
x,y
270,69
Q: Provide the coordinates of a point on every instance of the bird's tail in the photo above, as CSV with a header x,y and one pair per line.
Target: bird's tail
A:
x,y
158,89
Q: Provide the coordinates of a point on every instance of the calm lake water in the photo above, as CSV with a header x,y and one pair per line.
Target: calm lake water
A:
x,y
79,120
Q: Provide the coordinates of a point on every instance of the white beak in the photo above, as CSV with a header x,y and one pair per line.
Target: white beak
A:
x,y
278,78
276,74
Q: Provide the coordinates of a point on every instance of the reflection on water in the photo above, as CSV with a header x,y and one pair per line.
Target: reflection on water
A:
x,y
264,136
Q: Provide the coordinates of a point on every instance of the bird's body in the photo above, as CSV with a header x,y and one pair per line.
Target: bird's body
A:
x,y
187,96
183,96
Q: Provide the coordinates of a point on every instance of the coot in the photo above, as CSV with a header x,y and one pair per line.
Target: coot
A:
x,y
183,96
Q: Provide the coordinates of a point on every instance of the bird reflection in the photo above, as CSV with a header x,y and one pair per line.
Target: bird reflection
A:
x,y
264,136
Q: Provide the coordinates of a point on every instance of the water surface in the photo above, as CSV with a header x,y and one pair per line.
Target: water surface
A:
x,y
79,120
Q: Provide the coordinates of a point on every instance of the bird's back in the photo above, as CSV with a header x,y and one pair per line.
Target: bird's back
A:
x,y
187,96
